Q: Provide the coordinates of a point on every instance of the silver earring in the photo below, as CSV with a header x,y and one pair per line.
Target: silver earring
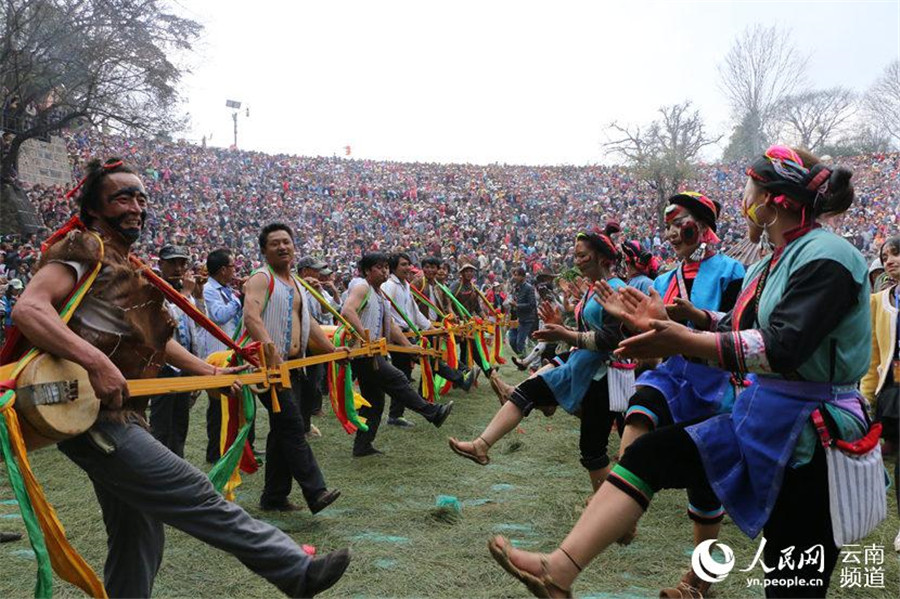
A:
x,y
765,243
699,253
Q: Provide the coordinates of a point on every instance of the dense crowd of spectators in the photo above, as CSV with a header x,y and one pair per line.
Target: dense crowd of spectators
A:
x,y
496,216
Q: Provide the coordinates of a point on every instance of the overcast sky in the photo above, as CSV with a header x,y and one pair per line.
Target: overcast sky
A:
x,y
492,81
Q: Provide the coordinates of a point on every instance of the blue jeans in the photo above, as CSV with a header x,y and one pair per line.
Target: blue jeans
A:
x,y
518,336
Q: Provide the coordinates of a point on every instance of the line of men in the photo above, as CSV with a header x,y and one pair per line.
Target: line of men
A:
x,y
379,301
126,329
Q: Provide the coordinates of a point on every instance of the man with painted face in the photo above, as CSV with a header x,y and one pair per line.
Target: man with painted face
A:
x,y
367,309
122,331
683,389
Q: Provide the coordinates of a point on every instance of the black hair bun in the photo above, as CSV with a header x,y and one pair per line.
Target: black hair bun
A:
x,y
611,228
840,192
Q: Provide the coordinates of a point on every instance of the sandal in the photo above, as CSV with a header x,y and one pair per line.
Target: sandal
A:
x,y
481,460
690,586
539,587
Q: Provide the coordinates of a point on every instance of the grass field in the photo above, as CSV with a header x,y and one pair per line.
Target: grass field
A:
x,y
404,546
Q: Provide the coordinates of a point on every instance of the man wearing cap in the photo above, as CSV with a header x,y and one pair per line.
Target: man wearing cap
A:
x,y
464,290
308,268
170,414
330,293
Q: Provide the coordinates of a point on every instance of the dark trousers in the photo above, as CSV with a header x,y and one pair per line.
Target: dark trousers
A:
x,y
596,419
170,416
310,392
465,346
376,377
404,363
141,485
701,497
668,459
288,456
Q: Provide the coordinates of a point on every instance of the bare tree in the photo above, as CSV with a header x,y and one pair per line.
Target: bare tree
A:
x,y
883,101
813,117
101,61
759,71
664,153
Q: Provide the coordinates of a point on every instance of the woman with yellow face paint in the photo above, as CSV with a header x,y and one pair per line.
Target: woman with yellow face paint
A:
x,y
801,324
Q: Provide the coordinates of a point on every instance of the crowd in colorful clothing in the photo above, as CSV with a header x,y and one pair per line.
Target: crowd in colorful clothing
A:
x,y
497,216
755,405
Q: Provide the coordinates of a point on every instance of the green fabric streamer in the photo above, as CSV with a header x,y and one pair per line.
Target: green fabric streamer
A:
x,y
221,472
478,342
43,588
349,404
462,309
485,364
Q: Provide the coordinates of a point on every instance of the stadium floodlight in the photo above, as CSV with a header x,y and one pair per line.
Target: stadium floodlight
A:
x,y
235,106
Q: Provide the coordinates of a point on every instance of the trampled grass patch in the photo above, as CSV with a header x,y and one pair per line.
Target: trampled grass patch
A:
x,y
409,539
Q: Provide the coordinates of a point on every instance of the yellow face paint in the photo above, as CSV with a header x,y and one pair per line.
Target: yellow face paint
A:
x,y
750,213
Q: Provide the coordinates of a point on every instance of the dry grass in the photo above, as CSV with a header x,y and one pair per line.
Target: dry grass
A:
x,y
404,544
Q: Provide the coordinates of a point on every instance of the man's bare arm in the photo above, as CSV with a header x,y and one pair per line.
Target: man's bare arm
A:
x,y
351,306
396,335
36,316
254,298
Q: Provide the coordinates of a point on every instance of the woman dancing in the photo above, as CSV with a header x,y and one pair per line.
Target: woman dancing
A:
x,y
685,388
802,324
579,385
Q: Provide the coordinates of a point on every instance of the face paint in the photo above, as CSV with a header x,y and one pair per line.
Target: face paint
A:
x,y
681,226
131,235
750,213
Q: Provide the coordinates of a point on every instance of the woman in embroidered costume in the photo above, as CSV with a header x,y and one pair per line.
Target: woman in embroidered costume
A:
x,y
683,389
579,385
640,267
802,324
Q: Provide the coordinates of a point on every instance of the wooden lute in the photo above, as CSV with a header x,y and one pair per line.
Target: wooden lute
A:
x,y
55,399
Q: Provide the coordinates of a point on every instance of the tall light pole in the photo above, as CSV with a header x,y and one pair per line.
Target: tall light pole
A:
x,y
235,106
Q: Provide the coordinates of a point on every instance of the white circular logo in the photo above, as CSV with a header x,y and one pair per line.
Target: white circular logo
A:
x,y
705,565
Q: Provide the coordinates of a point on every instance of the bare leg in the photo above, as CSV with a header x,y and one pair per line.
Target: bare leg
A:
x,y
634,429
608,516
598,476
705,532
505,420
690,584
501,388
